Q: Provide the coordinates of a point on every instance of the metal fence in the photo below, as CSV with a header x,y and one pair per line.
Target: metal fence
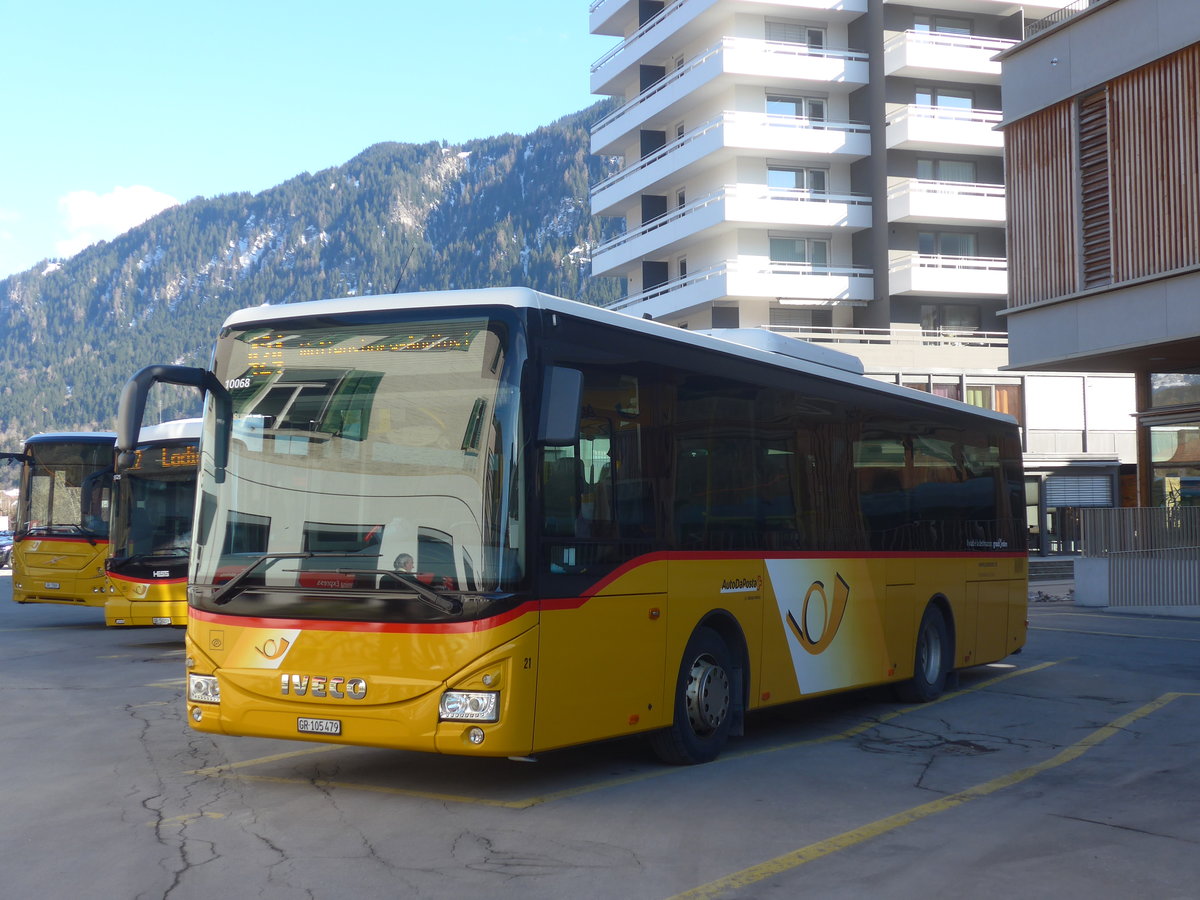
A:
x,y
1036,26
1153,553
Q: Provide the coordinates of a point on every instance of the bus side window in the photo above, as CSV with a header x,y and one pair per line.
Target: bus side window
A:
x,y
562,494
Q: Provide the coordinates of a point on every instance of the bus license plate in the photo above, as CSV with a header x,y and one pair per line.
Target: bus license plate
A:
x,y
318,726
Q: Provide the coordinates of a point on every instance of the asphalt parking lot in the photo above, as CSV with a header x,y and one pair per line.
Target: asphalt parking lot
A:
x,y
1068,771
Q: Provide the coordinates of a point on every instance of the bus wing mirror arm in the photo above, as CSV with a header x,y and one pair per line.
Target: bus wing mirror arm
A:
x,y
133,407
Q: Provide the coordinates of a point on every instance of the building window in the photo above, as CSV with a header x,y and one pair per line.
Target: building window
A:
x,y
951,390
941,24
680,198
946,243
800,250
725,317
679,130
1175,464
945,98
795,33
795,317
1002,398
816,180
1174,389
682,267
959,170
949,317
796,107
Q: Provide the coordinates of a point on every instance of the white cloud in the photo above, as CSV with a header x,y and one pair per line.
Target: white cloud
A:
x,y
91,217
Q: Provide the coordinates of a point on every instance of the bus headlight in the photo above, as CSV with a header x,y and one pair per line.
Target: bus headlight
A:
x,y
470,706
204,689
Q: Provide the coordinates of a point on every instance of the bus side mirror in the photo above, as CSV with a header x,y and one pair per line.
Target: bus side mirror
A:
x,y
562,397
133,407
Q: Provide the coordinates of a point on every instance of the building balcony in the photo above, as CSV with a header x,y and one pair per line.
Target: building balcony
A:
x,y
731,61
794,284
909,348
672,23
948,276
944,129
683,21
943,57
786,138
610,16
945,202
1032,9
731,207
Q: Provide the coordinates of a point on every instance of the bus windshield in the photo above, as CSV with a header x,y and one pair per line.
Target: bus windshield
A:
x,y
152,518
373,471
67,488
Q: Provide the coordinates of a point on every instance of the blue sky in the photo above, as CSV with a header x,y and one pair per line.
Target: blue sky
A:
x,y
112,111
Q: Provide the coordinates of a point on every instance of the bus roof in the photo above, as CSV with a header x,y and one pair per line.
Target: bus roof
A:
x,y
744,343
72,437
179,429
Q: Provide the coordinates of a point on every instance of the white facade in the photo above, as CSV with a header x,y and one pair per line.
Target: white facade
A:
x,y
831,170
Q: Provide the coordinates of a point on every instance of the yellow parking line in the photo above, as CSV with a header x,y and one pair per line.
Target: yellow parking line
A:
x,y
230,767
846,839
233,770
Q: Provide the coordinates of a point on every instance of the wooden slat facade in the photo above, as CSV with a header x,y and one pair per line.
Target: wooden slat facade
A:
x,y
1105,188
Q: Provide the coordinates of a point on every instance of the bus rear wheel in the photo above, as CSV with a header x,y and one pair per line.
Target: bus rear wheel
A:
x,y
931,663
704,703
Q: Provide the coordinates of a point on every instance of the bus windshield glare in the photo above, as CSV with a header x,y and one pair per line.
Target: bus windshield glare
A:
x,y
153,515
373,471
67,487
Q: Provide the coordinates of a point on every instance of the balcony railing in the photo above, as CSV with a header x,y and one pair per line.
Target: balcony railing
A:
x,y
945,276
664,15
918,126
942,263
771,49
919,112
1037,26
945,188
749,274
945,41
922,200
692,278
733,193
893,336
793,126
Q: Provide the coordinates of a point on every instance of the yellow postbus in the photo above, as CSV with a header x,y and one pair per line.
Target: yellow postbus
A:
x,y
154,495
496,523
61,535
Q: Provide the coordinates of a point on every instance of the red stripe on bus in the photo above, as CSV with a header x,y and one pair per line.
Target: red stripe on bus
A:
x,y
473,627
556,604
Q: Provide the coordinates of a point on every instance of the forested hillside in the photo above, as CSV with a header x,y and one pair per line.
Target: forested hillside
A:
x,y
507,210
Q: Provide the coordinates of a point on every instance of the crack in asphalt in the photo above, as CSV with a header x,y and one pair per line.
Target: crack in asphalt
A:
x,y
1118,826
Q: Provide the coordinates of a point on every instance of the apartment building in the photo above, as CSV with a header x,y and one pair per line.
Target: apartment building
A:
x,y
833,170
1102,121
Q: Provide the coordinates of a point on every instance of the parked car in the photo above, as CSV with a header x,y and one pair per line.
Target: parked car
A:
x,y
6,545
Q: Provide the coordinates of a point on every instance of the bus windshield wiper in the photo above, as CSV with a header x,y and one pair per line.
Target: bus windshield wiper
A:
x,y
424,592
69,527
226,592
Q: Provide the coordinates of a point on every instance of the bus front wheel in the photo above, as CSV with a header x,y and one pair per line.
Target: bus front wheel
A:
x,y
704,703
931,664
